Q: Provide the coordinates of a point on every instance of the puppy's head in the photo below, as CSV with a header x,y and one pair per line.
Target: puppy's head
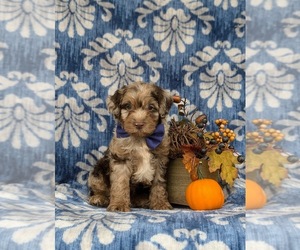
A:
x,y
140,107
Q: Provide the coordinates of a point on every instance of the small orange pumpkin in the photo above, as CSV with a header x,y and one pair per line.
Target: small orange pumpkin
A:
x,y
204,194
255,195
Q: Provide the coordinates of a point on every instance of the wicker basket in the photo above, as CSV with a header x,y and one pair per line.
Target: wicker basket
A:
x,y
178,179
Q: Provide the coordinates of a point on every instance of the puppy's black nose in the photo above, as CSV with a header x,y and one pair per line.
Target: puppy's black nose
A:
x,y
139,125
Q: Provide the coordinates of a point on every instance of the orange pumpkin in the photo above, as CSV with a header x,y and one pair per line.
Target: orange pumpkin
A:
x,y
255,195
204,194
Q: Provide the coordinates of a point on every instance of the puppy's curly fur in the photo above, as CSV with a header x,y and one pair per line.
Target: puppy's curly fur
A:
x,y
131,174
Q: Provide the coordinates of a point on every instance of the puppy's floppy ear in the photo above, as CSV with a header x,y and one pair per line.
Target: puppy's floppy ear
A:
x,y
164,99
113,103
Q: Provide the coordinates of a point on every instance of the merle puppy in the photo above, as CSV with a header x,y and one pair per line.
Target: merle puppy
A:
x,y
132,171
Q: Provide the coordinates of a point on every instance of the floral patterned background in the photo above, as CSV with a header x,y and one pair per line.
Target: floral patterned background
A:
x,y
182,46
27,149
56,70
179,45
272,92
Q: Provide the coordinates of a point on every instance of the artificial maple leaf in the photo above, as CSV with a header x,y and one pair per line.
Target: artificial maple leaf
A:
x,y
273,174
225,162
270,157
270,163
190,162
216,160
228,174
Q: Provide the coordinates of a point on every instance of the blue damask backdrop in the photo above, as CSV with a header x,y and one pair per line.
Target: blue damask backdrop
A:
x,y
272,92
182,46
27,124
192,48
59,60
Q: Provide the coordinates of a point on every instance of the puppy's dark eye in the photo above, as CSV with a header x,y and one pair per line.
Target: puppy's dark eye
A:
x,y
127,106
151,107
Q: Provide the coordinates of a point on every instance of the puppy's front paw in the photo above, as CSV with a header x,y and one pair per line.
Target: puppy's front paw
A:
x,y
161,206
118,208
98,200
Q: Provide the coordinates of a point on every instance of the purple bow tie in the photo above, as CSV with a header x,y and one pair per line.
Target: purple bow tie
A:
x,y
152,140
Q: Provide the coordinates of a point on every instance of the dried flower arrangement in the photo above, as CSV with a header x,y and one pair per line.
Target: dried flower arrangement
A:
x,y
204,154
210,154
265,157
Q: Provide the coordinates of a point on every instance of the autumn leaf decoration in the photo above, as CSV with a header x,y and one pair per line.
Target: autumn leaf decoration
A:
x,y
225,163
203,152
269,163
190,161
264,157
